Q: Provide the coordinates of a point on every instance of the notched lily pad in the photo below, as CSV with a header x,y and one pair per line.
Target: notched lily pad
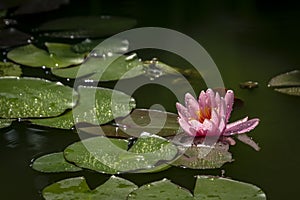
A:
x,y
54,162
208,187
85,26
59,56
203,157
33,97
287,83
77,188
149,153
10,69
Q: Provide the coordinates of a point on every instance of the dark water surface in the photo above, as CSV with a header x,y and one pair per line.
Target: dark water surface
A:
x,y
248,41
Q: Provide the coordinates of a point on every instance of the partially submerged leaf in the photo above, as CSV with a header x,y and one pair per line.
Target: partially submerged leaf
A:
x,y
33,97
60,55
226,189
5,123
77,188
54,162
86,26
202,157
111,156
10,69
163,189
288,83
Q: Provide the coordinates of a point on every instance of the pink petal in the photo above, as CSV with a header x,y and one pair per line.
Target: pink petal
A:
x,y
185,126
211,98
215,118
236,123
182,112
217,100
212,129
197,128
229,140
191,105
222,109
242,127
247,140
201,99
222,125
229,99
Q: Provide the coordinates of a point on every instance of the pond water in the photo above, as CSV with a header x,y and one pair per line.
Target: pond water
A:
x,y
248,41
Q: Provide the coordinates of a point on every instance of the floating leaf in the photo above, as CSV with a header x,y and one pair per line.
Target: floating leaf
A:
x,y
287,83
54,162
86,26
226,189
33,97
12,37
97,47
104,69
163,189
77,188
5,122
65,121
104,110
10,69
203,157
151,121
111,156
61,55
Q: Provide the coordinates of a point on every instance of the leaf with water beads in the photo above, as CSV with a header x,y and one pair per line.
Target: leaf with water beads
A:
x,y
34,97
287,83
77,188
54,162
10,69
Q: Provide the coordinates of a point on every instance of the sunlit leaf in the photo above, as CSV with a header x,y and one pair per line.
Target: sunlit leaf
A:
x,y
59,55
10,69
103,110
77,188
287,83
103,69
12,37
5,122
86,26
163,189
54,162
226,189
110,156
33,97
203,157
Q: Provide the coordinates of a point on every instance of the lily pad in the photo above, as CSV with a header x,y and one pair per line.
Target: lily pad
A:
x,y
111,156
163,190
10,69
86,26
60,55
33,97
54,162
105,69
77,188
5,123
104,110
226,189
11,37
202,157
114,46
287,83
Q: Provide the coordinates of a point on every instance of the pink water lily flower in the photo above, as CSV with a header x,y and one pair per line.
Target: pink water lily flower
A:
x,y
209,116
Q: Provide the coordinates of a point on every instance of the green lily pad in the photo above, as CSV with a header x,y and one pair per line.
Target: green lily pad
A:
x,y
163,190
59,56
10,69
33,97
110,156
113,46
54,162
104,110
202,157
226,189
287,83
85,26
11,37
77,188
101,69
5,123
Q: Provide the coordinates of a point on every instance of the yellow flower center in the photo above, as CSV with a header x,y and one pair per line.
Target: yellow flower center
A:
x,y
204,114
